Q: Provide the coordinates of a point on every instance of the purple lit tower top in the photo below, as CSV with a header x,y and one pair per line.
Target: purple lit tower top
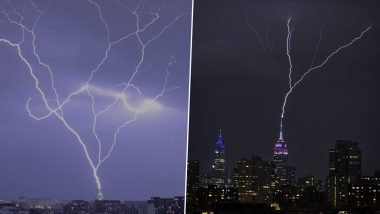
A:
x,y
280,161
280,147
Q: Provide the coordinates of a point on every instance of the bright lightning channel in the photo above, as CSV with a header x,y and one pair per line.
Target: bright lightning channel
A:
x,y
293,85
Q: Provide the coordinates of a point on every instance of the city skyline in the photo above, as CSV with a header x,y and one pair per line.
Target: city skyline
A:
x,y
43,205
240,74
279,148
259,185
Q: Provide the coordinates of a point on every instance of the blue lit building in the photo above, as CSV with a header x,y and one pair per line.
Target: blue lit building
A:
x,y
219,166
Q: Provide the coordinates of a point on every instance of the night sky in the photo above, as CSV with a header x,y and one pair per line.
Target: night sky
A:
x,y
238,83
43,158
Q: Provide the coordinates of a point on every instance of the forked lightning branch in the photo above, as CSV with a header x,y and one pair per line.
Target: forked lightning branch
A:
x,y
294,83
54,104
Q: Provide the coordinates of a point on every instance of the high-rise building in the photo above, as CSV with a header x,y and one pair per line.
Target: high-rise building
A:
x,y
205,179
262,179
280,161
344,169
193,177
219,167
291,175
243,180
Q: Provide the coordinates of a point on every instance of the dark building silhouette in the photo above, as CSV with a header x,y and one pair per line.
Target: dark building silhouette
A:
x,y
211,195
108,207
311,197
205,179
262,179
310,181
137,207
239,208
193,181
287,196
291,175
78,206
344,169
365,193
168,205
307,181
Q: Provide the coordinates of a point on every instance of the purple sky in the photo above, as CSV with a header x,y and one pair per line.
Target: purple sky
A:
x,y
43,158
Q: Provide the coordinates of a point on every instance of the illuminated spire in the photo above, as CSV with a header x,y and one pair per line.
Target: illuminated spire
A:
x,y
281,138
219,143
219,165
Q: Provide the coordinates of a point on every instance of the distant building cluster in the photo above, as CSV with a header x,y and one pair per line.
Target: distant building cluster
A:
x,y
271,186
155,205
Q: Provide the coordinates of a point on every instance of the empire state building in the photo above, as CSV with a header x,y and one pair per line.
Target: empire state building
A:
x,y
280,161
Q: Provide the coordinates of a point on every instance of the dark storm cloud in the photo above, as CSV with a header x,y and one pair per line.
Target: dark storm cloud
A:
x,y
239,87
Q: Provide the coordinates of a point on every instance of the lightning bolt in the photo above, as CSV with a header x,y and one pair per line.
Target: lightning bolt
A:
x,y
293,85
268,40
119,97
257,34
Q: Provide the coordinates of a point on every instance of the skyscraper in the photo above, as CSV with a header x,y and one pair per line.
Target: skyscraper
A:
x,y
244,180
262,179
344,169
219,167
193,176
280,161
